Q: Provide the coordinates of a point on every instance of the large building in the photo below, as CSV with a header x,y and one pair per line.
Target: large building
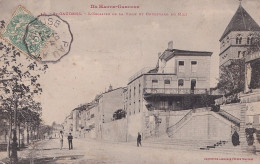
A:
x,y
87,120
180,81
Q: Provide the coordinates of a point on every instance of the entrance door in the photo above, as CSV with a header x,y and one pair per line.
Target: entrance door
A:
x,y
193,85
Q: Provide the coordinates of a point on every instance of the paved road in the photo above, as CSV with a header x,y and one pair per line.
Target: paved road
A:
x,y
93,152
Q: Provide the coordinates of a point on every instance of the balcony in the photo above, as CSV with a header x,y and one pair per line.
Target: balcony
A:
x,y
175,91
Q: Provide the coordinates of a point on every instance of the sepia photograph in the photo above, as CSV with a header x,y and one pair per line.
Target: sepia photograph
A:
x,y
129,81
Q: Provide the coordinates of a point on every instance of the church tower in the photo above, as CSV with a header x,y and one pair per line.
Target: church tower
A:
x,y
237,36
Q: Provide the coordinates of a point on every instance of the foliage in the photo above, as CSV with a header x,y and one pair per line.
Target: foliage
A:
x,y
255,48
19,87
232,77
119,114
255,44
249,135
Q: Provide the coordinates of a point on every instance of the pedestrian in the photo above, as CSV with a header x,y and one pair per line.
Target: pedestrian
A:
x,y
61,139
70,137
139,140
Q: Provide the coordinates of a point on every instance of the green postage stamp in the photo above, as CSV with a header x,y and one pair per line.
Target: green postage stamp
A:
x,y
16,28
46,38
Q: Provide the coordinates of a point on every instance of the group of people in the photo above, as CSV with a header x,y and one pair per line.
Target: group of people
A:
x,y
70,138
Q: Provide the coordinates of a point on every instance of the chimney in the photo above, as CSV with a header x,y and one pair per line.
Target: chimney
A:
x,y
110,88
159,54
170,45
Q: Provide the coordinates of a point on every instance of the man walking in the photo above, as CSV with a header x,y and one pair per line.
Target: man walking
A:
x,y
139,140
70,137
61,139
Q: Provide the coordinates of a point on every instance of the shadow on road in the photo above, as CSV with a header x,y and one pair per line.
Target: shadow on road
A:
x,y
48,160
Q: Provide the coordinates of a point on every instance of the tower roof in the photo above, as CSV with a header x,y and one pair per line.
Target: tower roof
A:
x,y
241,21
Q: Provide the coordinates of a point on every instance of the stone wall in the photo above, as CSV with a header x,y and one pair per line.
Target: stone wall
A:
x,y
115,131
135,125
204,126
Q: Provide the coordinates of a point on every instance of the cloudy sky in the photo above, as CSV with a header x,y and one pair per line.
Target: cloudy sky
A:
x,y
109,49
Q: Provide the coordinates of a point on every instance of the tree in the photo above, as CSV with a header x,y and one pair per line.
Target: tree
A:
x,y
232,77
19,85
254,48
119,114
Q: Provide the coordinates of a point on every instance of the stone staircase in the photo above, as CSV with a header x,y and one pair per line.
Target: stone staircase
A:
x,y
223,146
169,143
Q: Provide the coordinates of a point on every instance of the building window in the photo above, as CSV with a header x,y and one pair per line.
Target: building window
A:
x,y
167,82
181,66
130,94
139,89
227,39
139,106
244,53
250,39
154,83
193,66
134,91
180,83
239,54
193,84
239,39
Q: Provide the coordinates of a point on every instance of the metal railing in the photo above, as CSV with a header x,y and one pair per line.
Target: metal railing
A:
x,y
229,116
173,128
176,91
142,71
145,70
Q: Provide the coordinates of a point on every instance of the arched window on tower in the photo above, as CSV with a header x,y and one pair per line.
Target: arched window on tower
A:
x,y
250,39
239,39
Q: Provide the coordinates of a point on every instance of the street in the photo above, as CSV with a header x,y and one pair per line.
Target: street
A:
x,y
94,152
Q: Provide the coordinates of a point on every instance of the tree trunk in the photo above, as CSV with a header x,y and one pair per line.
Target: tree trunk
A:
x,y
19,136
28,136
9,137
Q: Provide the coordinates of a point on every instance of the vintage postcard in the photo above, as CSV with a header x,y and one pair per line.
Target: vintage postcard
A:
x,y
129,81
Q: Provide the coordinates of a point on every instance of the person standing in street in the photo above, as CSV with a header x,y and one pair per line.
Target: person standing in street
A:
x,y
139,140
70,137
61,139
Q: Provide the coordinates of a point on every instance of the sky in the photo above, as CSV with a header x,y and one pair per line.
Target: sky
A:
x,y
109,49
